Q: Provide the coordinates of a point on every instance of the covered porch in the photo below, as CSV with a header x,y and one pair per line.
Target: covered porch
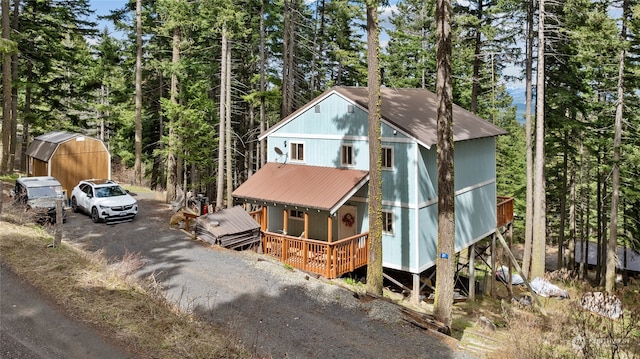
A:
x,y
332,259
312,218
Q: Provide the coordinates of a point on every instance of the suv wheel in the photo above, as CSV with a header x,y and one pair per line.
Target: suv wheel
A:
x,y
94,215
74,205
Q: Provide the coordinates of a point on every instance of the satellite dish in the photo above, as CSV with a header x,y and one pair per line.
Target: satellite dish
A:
x,y
278,151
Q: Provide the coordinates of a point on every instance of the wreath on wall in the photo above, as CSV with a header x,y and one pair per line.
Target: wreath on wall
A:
x,y
348,219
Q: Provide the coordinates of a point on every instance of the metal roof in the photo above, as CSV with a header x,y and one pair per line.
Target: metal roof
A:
x,y
316,187
45,145
413,112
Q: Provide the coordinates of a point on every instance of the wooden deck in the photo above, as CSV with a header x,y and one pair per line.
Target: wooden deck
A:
x,y
505,211
328,259
333,259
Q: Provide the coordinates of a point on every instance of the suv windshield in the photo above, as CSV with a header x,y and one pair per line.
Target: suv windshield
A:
x,y
111,191
48,191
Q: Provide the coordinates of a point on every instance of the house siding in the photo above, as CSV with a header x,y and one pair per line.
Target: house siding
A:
x,y
409,189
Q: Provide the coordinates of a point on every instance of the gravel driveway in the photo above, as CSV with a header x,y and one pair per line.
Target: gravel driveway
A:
x,y
273,311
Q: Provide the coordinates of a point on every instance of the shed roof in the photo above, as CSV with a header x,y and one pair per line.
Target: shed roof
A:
x,y
412,111
316,187
44,146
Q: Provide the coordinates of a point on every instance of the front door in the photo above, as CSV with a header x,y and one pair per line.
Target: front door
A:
x,y
347,221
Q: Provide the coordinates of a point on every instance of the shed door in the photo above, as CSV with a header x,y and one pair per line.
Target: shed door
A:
x,y
347,221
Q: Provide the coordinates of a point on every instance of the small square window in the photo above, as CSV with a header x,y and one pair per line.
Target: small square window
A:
x,y
350,108
347,155
387,157
297,151
296,214
317,108
387,222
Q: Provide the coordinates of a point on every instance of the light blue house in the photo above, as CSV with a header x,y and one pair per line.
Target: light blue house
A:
x,y
314,187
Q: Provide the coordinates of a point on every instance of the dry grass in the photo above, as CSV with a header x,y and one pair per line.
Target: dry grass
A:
x,y
109,297
567,331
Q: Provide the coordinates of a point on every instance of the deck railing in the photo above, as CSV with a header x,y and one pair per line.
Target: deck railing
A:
x,y
505,210
328,259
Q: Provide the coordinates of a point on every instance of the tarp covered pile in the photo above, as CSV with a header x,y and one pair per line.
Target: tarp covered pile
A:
x,y
230,227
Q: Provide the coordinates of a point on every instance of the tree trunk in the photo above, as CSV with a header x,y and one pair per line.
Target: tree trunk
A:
x,y
598,217
228,143
262,158
138,134
539,211
172,163
446,193
6,92
287,58
14,89
528,231
477,61
610,275
374,267
571,246
26,116
563,201
222,127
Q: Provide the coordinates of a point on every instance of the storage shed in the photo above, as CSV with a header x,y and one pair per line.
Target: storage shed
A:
x,y
69,157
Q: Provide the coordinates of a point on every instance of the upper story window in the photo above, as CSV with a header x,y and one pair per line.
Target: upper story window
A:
x,y
347,155
387,222
387,158
297,151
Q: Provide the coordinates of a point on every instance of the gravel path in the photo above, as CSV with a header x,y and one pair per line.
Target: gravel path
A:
x,y
273,311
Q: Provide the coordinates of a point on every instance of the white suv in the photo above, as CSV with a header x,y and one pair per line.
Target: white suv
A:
x,y
104,200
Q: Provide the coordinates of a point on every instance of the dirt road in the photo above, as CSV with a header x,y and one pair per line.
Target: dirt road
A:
x,y
272,310
33,327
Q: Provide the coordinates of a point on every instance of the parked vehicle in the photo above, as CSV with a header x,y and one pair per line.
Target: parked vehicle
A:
x,y
104,201
39,195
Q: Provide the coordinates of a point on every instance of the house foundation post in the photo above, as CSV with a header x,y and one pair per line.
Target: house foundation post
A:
x,y
415,293
510,233
472,272
493,265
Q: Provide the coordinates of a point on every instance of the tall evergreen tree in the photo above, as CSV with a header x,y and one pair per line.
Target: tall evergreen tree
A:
x,y
374,266
446,191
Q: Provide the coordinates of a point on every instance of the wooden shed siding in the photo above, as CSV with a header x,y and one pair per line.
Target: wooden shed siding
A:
x,y
76,160
39,168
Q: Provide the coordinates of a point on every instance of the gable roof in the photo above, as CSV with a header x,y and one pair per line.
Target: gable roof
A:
x,y
324,188
44,146
412,111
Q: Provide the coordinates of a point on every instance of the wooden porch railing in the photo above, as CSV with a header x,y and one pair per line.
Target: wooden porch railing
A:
x,y
505,210
328,259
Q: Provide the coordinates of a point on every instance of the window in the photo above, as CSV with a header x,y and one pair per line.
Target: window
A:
x,y
297,151
387,157
296,214
387,222
350,109
317,108
347,155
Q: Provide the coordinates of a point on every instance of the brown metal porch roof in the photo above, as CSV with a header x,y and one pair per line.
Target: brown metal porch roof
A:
x,y
316,187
